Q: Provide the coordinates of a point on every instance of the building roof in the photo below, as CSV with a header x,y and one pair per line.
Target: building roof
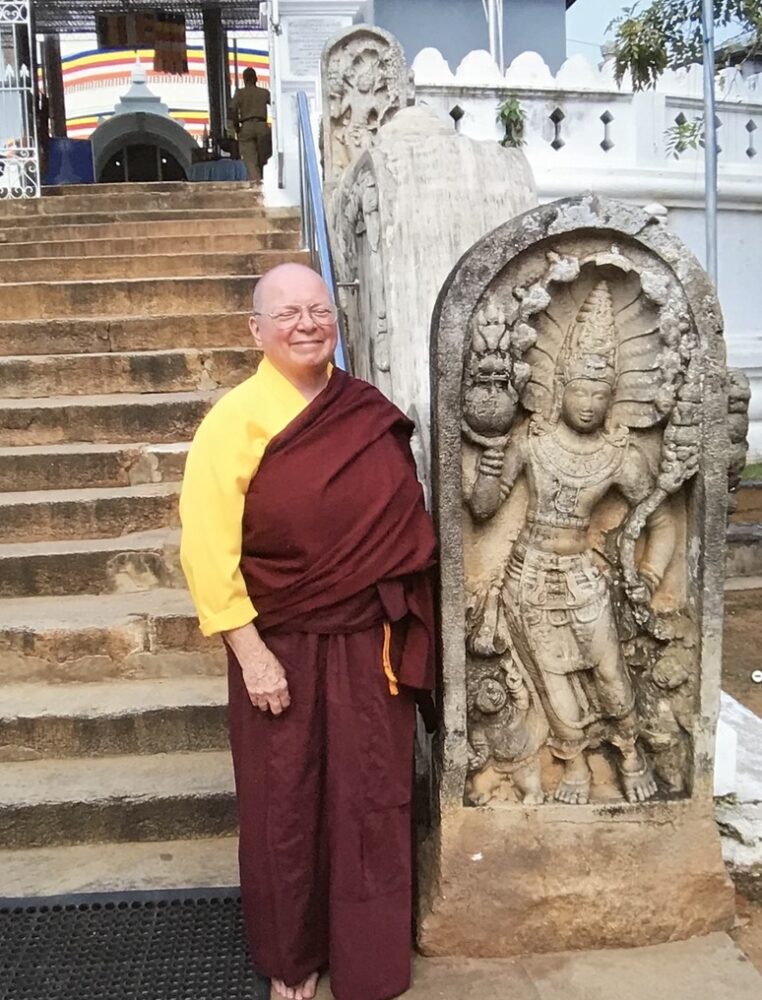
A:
x,y
739,48
79,15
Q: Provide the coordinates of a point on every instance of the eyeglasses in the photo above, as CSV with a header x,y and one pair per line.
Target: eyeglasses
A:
x,y
323,314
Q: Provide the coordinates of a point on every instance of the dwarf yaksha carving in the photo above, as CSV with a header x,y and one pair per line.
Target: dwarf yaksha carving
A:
x,y
558,595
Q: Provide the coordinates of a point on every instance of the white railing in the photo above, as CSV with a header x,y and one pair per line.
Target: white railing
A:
x,y
581,119
19,156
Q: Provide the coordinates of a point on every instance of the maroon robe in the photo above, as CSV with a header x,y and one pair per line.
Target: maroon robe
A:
x,y
336,545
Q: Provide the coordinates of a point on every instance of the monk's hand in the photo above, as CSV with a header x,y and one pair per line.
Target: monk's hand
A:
x,y
262,671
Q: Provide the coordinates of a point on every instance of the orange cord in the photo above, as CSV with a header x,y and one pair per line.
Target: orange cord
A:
x,y
387,660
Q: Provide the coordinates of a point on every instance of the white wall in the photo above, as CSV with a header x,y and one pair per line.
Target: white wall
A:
x,y
457,26
296,42
635,166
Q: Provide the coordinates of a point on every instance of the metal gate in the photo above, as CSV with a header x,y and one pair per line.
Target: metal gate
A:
x,y
19,154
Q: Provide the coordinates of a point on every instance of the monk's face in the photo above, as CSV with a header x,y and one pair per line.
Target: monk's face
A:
x,y
294,322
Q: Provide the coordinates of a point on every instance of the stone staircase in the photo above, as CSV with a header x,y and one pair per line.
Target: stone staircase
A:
x,y
122,318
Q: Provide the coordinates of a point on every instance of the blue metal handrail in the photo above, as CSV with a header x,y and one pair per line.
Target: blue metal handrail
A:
x,y
314,224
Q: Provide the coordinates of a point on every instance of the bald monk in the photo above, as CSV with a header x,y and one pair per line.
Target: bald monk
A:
x,y
307,547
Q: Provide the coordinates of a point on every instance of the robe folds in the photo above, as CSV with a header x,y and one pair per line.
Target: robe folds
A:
x,y
336,553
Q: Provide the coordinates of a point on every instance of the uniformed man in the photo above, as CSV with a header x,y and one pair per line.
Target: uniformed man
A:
x,y
247,120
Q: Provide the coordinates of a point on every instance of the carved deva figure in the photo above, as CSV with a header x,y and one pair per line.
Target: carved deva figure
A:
x,y
558,602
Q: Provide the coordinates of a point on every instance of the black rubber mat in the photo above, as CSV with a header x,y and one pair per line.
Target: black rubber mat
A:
x,y
170,945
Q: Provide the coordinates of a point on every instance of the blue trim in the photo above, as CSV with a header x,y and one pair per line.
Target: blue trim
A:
x,y
312,202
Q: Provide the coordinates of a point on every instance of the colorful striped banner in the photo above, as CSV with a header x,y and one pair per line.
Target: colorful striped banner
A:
x,y
105,64
113,67
83,126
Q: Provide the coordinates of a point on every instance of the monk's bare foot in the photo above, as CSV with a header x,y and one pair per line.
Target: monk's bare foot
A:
x,y
304,991
574,788
638,781
308,989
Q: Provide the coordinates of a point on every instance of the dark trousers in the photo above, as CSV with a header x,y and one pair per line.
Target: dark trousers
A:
x,y
324,795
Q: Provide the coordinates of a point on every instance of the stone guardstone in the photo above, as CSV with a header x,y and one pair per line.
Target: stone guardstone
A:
x,y
580,475
402,215
365,82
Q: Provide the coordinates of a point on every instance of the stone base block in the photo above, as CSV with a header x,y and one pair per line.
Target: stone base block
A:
x,y
499,883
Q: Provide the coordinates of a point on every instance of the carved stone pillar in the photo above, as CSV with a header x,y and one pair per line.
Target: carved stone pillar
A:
x,y
581,459
365,82
51,52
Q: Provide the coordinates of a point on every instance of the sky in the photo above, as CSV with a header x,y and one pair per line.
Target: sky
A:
x,y
586,24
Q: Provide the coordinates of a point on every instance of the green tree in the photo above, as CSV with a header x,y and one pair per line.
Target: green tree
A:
x,y
666,34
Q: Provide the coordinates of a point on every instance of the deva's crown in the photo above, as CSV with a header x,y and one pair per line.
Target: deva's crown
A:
x,y
590,349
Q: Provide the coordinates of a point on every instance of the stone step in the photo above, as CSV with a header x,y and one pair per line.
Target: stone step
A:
x,y
743,584
130,563
126,867
136,296
187,197
128,417
140,187
742,628
744,550
33,376
56,515
749,503
117,717
138,636
102,227
48,226
148,266
97,334
125,798
208,242
75,466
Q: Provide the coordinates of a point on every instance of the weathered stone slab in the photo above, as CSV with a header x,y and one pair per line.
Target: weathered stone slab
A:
x,y
402,216
702,968
582,450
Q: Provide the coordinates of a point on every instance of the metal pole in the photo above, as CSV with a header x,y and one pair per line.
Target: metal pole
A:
x,y
710,141
500,36
492,28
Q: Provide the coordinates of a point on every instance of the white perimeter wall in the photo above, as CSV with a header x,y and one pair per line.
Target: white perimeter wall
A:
x,y
613,142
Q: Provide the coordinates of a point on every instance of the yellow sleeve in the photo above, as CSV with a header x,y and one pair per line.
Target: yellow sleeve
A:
x,y
221,461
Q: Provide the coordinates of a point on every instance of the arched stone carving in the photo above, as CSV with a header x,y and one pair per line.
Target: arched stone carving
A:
x,y
365,82
580,474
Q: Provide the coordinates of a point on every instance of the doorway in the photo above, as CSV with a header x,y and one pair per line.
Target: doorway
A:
x,y
141,162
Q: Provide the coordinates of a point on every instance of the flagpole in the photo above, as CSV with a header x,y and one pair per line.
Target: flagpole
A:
x,y
710,141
